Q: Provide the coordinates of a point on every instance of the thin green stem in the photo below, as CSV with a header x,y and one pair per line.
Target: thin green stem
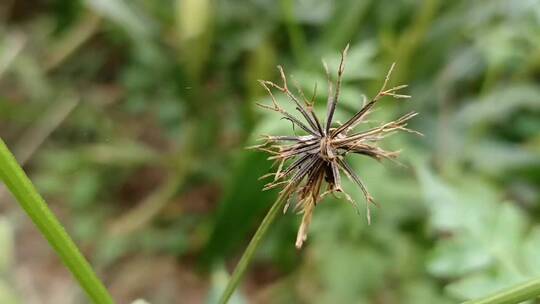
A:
x,y
33,204
246,258
517,294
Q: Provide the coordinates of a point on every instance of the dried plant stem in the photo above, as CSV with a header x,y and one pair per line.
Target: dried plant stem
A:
x,y
242,265
517,294
35,207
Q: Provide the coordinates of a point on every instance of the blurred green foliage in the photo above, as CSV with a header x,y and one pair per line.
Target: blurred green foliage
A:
x,y
133,116
7,294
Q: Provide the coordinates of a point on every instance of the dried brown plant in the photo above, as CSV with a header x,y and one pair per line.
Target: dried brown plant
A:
x,y
306,162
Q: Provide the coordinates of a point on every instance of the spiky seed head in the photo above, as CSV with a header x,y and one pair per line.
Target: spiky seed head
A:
x,y
308,162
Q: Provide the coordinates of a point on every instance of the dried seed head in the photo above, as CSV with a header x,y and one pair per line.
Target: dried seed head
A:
x,y
307,162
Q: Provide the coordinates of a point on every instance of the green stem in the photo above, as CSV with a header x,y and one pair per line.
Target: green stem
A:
x,y
33,204
517,294
242,265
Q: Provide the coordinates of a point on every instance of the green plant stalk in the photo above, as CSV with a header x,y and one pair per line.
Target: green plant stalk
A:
x,y
33,204
247,256
517,294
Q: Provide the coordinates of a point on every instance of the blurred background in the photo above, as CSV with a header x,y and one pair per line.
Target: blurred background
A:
x,y
131,117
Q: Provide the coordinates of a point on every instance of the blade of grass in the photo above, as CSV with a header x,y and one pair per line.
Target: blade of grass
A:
x,y
517,294
247,256
35,207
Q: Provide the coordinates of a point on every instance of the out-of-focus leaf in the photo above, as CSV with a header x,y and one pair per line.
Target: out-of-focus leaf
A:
x,y
241,207
12,44
507,230
32,77
360,63
479,285
194,31
498,158
530,252
314,12
445,207
6,294
6,246
119,154
85,188
193,18
218,281
122,13
457,257
422,292
499,104
261,66
344,23
485,250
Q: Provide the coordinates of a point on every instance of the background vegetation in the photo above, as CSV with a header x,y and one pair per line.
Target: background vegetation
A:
x,y
132,117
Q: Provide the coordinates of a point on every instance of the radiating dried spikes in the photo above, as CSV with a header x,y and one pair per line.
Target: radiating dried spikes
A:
x,y
280,110
365,109
309,108
285,89
382,129
289,117
305,162
297,163
271,138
